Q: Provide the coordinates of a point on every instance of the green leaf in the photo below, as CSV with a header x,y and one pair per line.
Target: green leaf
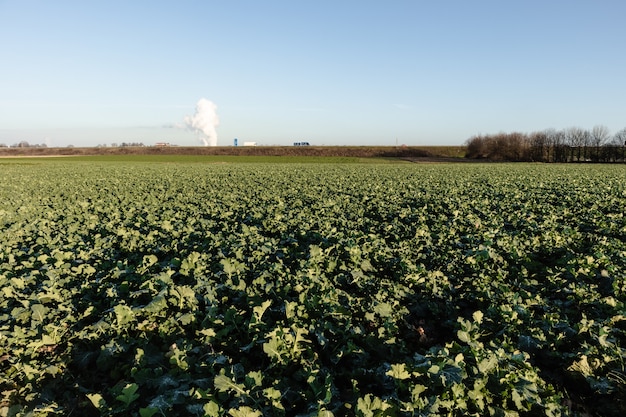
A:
x,y
274,396
149,260
157,304
97,401
123,314
18,283
299,338
398,371
584,366
244,412
148,411
383,309
272,393
290,309
88,270
254,379
417,390
50,296
477,394
434,369
186,318
207,334
366,266
273,348
315,251
463,336
478,316
39,312
225,384
517,399
48,340
228,266
258,311
212,409
370,403
487,364
129,394
167,226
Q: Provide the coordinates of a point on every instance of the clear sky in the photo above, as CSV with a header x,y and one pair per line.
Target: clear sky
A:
x,y
341,72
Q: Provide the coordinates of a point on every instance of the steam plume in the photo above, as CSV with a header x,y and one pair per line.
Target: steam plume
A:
x,y
204,122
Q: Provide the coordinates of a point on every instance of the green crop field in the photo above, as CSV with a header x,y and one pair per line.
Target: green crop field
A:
x,y
182,287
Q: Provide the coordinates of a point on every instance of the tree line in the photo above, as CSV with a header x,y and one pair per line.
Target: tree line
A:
x,y
573,144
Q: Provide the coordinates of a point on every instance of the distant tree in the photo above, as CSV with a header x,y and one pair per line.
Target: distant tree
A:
x,y
619,141
557,146
539,146
517,147
570,145
560,148
587,145
575,138
475,147
499,147
599,135
496,146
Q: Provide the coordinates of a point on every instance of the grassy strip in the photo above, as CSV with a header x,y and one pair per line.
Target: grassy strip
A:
x,y
139,158
292,151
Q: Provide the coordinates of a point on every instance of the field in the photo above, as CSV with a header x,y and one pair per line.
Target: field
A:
x,y
203,287
395,152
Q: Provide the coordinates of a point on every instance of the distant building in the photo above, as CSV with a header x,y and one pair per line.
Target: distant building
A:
x,y
249,144
161,144
301,144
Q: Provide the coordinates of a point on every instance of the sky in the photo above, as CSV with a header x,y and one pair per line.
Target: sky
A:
x,y
341,72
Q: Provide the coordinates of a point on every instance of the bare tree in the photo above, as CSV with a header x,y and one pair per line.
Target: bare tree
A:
x,y
497,146
518,146
539,146
619,138
599,135
586,140
619,141
570,145
575,138
558,144
475,147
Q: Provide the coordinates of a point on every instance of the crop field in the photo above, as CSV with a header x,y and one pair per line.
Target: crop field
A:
x,y
262,289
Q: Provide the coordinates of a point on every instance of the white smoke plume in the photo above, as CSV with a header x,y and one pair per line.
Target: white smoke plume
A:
x,y
204,122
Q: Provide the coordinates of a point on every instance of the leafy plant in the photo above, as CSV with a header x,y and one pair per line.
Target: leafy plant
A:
x,y
312,290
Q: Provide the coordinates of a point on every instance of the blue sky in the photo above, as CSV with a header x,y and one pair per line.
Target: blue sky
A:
x,y
348,72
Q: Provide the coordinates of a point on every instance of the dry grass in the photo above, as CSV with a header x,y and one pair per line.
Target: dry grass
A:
x,y
405,152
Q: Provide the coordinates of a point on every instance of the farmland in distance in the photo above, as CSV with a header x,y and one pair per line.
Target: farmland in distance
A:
x,y
178,288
